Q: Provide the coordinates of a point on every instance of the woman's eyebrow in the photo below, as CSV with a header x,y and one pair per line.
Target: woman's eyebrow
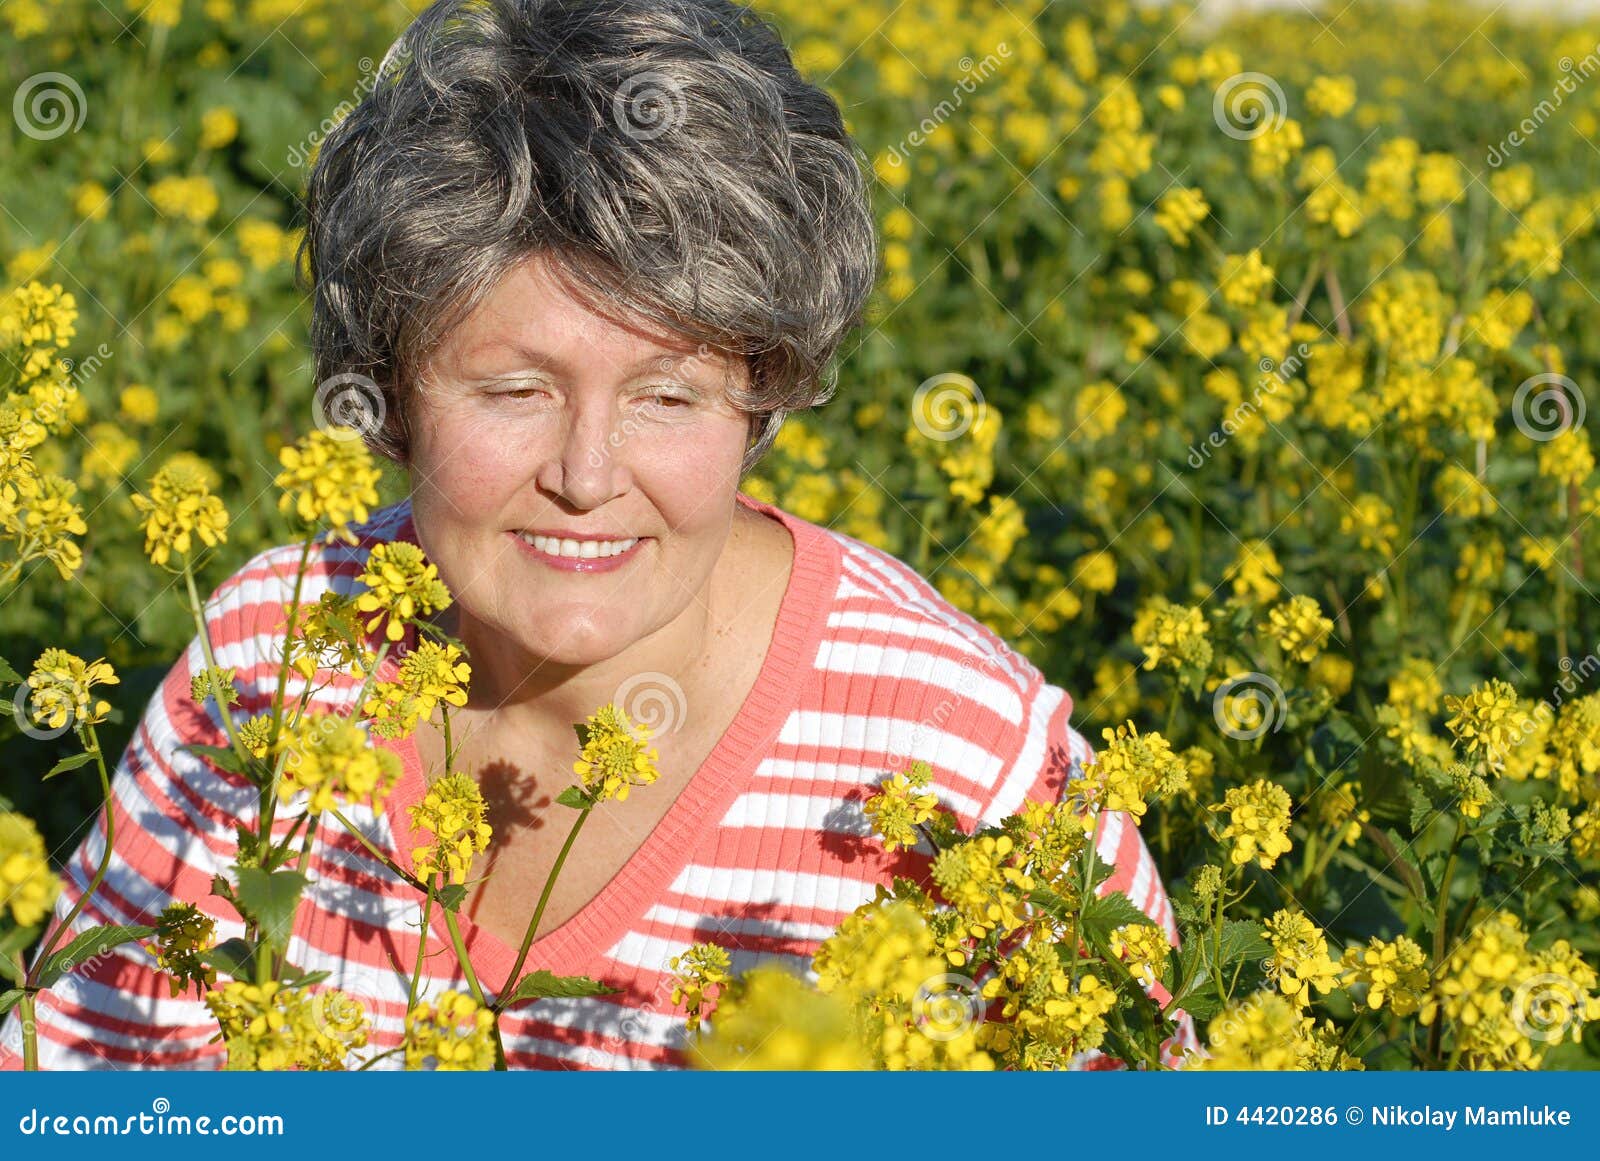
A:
x,y
560,366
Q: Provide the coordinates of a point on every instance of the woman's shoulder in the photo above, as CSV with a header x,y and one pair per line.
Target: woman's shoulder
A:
x,y
247,613
943,686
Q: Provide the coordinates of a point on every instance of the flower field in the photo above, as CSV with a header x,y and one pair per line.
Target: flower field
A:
x,y
1237,375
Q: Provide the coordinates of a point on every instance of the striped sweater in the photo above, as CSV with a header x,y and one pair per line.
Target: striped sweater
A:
x,y
764,852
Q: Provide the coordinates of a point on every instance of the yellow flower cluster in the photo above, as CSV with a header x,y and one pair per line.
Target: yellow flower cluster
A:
x,y
774,1020
910,1010
28,887
454,811
1299,627
1172,636
1130,769
60,687
454,1035
430,674
183,933
1263,1032
330,756
179,509
1299,959
1394,972
901,805
401,584
1258,822
701,970
328,478
984,880
1486,721
1050,1018
268,1027
613,759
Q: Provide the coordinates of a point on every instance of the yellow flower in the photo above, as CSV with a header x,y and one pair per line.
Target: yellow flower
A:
x,y
60,684
1129,769
1243,277
401,584
429,674
271,1027
28,887
899,809
774,1020
179,508
698,971
1299,957
1179,211
139,404
328,755
1258,822
613,760
454,811
218,127
1485,721
1172,636
183,933
1331,96
328,479
1299,627
454,1035
1395,973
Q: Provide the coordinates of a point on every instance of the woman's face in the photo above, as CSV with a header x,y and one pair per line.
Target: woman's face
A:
x,y
538,418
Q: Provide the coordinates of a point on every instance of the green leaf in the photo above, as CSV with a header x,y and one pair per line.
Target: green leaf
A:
x,y
1104,914
543,984
222,757
13,941
1242,940
271,899
293,977
575,797
233,956
451,896
1421,808
10,999
89,945
7,674
71,763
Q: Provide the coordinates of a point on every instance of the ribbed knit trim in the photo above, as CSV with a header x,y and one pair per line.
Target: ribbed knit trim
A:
x,y
574,946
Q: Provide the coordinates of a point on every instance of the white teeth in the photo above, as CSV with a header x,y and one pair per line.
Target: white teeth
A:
x,y
580,549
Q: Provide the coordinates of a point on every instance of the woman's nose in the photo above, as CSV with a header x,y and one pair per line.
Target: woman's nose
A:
x,y
587,468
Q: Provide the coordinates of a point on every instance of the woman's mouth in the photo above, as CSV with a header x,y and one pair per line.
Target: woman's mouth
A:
x,y
579,555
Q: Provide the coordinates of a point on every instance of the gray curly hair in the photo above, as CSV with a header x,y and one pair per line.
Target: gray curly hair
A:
x,y
664,155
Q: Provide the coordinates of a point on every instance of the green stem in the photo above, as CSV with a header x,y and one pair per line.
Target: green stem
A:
x,y
30,1027
422,944
100,871
538,911
199,612
376,853
456,941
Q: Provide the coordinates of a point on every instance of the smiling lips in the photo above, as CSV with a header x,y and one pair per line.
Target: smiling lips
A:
x,y
574,555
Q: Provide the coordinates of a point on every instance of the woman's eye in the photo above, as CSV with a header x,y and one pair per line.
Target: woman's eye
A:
x,y
668,401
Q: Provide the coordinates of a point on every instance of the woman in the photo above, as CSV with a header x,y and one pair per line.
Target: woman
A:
x,y
588,256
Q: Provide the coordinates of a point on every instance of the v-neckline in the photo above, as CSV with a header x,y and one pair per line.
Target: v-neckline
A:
x,y
572,947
